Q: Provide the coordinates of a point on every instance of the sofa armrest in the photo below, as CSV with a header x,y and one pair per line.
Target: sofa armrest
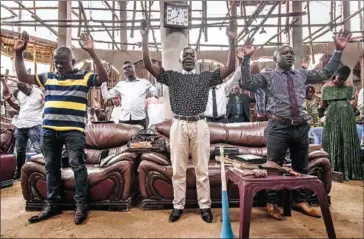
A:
x,y
158,158
108,161
39,158
321,167
314,147
317,154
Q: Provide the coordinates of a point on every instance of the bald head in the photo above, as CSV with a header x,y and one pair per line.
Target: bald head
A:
x,y
64,51
64,60
281,48
284,56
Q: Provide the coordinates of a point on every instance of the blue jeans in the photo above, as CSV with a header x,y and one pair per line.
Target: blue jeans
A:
x,y
22,135
53,142
316,134
360,130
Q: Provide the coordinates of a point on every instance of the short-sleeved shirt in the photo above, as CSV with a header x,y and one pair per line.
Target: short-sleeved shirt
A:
x,y
66,99
189,92
31,109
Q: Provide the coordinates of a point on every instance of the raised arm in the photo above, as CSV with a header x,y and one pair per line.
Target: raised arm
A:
x,y
341,41
234,80
248,81
230,66
108,94
88,45
153,69
13,105
4,79
19,47
7,94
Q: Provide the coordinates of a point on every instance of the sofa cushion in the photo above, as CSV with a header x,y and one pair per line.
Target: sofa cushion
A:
x,y
243,134
105,183
107,136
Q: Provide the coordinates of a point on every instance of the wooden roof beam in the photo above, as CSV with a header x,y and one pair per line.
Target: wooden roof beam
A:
x,y
280,32
112,10
264,19
10,10
245,31
36,17
112,39
83,13
133,20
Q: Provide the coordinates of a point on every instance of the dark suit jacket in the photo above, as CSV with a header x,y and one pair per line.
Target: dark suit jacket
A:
x,y
245,106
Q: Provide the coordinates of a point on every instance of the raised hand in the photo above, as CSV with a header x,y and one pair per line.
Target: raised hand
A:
x,y
342,39
144,28
21,44
86,42
231,32
247,49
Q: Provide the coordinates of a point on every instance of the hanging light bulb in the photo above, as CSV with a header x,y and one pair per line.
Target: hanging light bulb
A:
x,y
263,31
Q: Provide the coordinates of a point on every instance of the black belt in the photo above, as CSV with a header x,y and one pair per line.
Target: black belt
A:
x,y
217,118
288,121
191,118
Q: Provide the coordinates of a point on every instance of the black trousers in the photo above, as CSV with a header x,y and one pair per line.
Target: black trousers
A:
x,y
222,119
142,122
280,137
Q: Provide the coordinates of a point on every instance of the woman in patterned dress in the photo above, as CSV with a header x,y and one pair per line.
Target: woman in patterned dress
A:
x,y
340,137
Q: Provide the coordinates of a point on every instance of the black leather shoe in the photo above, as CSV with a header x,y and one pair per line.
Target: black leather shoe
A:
x,y
47,212
80,214
175,215
207,215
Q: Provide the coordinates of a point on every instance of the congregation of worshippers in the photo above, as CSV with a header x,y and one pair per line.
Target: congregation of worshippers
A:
x,y
298,107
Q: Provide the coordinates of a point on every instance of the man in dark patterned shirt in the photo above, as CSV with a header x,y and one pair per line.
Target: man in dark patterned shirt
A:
x,y
189,131
287,127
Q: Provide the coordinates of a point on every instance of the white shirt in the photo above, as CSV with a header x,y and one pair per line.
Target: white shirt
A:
x,y
361,103
115,114
133,95
155,109
31,109
222,92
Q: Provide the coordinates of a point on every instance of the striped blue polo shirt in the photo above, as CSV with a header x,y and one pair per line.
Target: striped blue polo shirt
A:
x,y
66,99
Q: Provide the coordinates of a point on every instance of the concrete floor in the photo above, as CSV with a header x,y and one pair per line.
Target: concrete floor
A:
x,y
346,210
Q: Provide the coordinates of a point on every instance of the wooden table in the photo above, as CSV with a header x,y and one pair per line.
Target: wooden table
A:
x,y
249,186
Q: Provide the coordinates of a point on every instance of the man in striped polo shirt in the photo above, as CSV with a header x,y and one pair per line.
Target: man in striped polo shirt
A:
x,y
66,92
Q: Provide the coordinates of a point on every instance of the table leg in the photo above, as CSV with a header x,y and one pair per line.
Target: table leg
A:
x,y
246,203
287,202
324,205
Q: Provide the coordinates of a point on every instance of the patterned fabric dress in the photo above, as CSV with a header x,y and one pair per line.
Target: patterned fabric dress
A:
x,y
312,107
340,137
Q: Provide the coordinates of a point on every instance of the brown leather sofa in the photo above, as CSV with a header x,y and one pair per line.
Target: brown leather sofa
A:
x,y
7,158
155,170
110,171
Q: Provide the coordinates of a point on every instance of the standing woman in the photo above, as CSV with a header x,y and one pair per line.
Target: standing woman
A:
x,y
340,137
